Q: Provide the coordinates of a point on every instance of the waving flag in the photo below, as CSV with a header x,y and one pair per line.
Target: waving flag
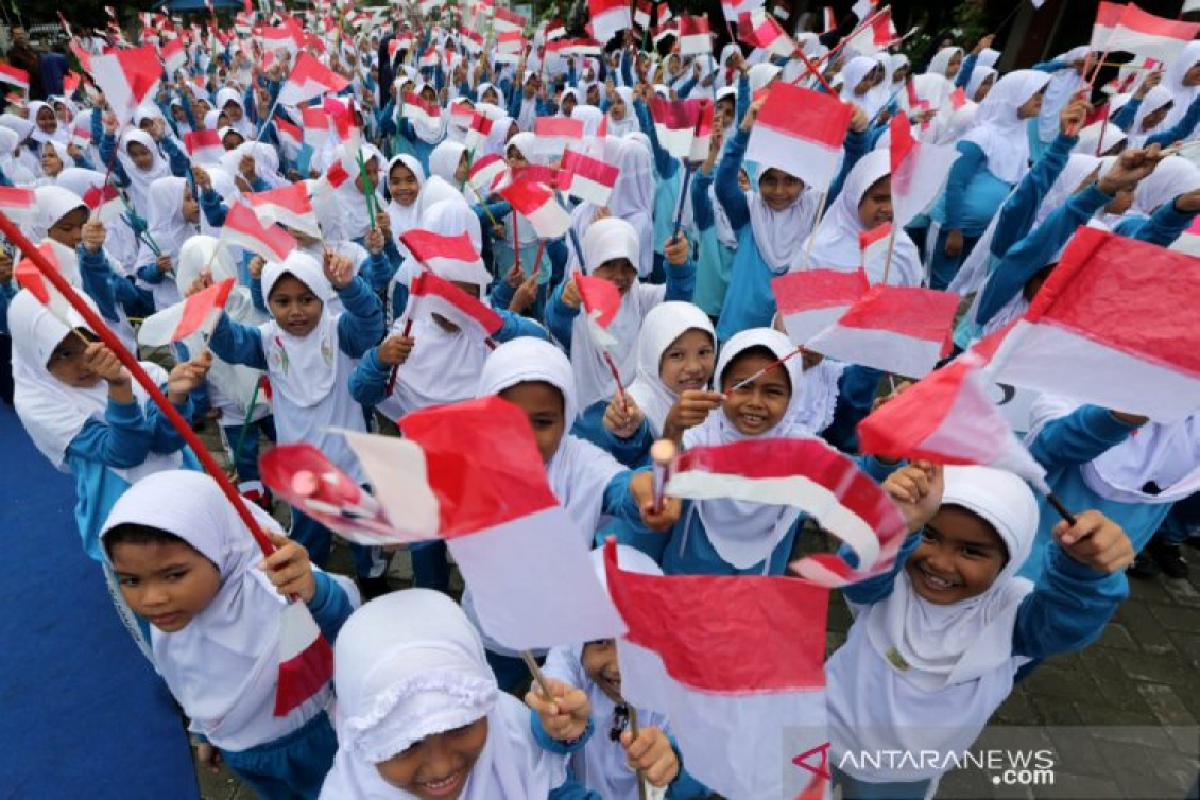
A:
x,y
478,132
30,278
290,136
948,418
758,28
199,312
1107,328
1135,31
800,132
511,45
174,56
486,172
919,171
14,76
243,229
601,301
813,300
876,36
555,133
684,127
309,79
873,243
641,14
665,29
288,205
444,254
440,296
589,179
316,126
274,39
694,36
608,18
897,329
204,147
537,204
19,205
127,77
574,47
734,662
505,21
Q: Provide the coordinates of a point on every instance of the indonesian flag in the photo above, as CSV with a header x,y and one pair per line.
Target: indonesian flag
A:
x,y
478,132
919,171
958,98
641,14
199,312
899,329
19,205
415,108
574,47
81,131
536,203
555,133
601,300
505,20
684,127
813,300
472,41
439,296
510,43
800,131
289,135
446,255
694,36
126,77
30,278
665,29
589,179
555,29
204,147
734,662
309,78
948,418
14,76
278,39
664,13
873,243
288,205
243,229
174,56
316,126
537,173
758,28
305,659
486,172
608,18
1108,328
1135,31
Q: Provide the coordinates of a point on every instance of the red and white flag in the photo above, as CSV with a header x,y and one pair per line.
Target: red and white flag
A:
x,y
418,110
14,76
1126,28
486,172
511,44
555,133
440,296
445,255
198,313
243,229
898,329
555,29
524,560
429,59
127,77
601,300
274,39
800,132
608,18
506,20
204,147
1107,328
309,79
574,47
290,135
830,17
758,28
537,204
694,36
874,37
736,663
305,659
873,244
478,132
684,127
538,173
665,29
813,300
948,418
289,206
919,171
30,278
316,126
174,56
641,14
19,205
589,179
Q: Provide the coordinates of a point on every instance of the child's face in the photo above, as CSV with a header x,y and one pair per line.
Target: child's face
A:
x,y
689,362
958,558
191,208
726,110
295,308
45,120
779,190
466,286
51,163
66,364
599,662
490,96
231,141
143,159
617,109
371,168
619,272
437,767
568,104
544,406
464,167
516,159
232,111
954,65
1031,107
69,229
875,207
165,583
593,95
758,406
402,185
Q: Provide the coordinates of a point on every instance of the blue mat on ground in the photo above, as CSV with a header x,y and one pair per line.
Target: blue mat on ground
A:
x,y
84,715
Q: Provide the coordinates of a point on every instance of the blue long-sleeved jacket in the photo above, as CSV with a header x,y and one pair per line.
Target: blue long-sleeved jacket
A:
x,y
1018,213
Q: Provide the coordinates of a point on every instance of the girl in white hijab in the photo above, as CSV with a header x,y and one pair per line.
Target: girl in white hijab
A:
x,y
411,674
858,85
229,103
190,566
1064,85
142,164
1182,80
174,218
352,193
54,160
448,162
865,203
16,173
621,121
952,623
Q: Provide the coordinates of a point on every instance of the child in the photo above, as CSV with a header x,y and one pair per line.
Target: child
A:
x,y
716,245
676,357
420,714
188,564
174,218
947,628
730,537
588,482
309,355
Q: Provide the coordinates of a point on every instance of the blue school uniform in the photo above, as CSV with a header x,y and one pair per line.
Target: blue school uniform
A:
x,y
714,262
972,196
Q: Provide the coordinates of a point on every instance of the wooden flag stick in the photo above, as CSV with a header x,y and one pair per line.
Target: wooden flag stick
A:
x,y
633,729
887,265
813,235
764,371
1057,505
538,676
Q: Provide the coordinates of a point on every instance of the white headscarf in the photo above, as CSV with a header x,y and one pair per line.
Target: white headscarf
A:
x,y
629,123
60,150
409,665
266,162
16,172
761,75
633,194
591,117
1155,99
405,218
998,131
1172,177
1062,86
53,203
940,63
303,368
169,230
780,235
355,219
139,181
1090,137
664,324
836,245
745,533
429,131
61,132
1183,96
444,161
222,667
853,74
230,95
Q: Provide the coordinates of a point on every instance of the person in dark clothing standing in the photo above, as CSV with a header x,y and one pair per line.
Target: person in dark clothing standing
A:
x,y
22,56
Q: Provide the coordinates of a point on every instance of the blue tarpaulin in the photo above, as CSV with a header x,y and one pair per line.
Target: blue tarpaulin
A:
x,y
179,6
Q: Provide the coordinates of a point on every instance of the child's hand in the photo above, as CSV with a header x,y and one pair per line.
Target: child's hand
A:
x,y
622,417
676,251
524,296
860,121
289,568
6,266
256,267
570,294
202,282
164,265
641,487
99,359
395,350
384,223
752,114
208,756
373,241
565,715
954,244
692,408
1095,540
93,235
187,376
1073,116
339,270
651,753
917,492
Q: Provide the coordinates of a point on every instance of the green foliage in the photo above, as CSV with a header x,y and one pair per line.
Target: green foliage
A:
x,y
971,17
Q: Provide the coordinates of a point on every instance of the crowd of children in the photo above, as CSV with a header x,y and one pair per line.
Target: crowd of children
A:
x,y
989,581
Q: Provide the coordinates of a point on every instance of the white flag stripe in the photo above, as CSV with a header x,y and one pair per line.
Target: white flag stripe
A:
x,y
881,349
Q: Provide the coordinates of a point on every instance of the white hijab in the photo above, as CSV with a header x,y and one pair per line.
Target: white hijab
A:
x,y
1060,89
745,533
780,235
664,324
853,74
405,218
303,368
1155,99
629,123
1183,96
633,195
139,181
999,132
355,219
444,161
409,665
